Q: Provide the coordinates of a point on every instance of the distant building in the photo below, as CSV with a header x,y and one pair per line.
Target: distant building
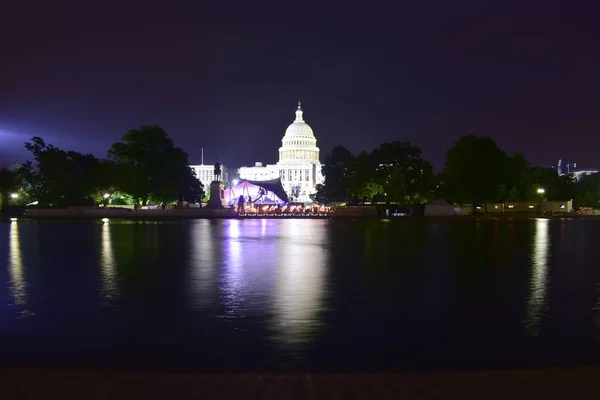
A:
x,y
298,168
571,168
206,174
439,208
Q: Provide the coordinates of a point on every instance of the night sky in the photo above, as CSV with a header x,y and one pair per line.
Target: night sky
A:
x,y
226,77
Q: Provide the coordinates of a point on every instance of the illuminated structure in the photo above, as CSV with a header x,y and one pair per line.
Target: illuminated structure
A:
x,y
571,168
298,168
264,192
206,174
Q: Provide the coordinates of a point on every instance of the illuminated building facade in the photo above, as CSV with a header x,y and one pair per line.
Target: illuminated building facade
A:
x,y
206,174
298,168
571,168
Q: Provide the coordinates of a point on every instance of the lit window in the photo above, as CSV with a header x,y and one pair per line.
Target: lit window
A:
x,y
531,206
511,206
496,207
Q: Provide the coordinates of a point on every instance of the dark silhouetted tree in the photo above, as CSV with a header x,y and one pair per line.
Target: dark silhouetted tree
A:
x,y
476,171
153,167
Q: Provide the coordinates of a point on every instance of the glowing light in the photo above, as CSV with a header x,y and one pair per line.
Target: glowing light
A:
x,y
13,220
105,220
541,191
14,196
235,182
106,195
536,302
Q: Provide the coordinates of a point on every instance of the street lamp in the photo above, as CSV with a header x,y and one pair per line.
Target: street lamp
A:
x,y
14,196
541,191
106,195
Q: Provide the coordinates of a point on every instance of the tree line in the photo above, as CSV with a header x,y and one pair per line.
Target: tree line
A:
x,y
476,171
144,167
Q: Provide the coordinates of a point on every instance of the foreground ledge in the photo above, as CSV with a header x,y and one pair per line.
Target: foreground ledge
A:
x,y
551,383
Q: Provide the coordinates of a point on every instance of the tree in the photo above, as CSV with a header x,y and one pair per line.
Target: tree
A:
x,y
369,190
109,178
514,195
192,189
475,171
588,183
339,171
59,178
401,172
517,168
590,201
533,193
10,182
153,166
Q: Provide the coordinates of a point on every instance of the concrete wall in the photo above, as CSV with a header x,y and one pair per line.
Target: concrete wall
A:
x,y
439,210
355,211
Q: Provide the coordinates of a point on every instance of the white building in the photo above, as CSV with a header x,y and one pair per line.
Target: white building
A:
x,y
298,168
571,168
206,174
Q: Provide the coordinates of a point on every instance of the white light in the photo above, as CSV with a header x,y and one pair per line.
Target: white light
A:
x,y
540,191
106,195
14,195
105,220
13,220
235,182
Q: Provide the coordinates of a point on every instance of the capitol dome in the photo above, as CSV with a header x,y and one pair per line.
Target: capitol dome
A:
x,y
299,128
299,142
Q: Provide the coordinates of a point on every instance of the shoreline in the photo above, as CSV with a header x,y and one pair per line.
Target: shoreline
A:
x,y
174,215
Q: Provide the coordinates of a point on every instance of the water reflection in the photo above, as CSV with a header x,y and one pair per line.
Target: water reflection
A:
x,y
108,267
203,264
538,287
233,274
18,284
300,282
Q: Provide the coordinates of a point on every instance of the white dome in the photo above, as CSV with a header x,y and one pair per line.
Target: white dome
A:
x,y
299,128
299,143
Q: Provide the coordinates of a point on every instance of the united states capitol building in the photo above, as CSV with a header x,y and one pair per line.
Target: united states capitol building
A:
x,y
298,168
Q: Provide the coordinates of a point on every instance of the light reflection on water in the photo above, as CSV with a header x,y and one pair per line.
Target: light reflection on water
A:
x,y
203,265
538,287
234,282
266,269
300,283
108,266
18,284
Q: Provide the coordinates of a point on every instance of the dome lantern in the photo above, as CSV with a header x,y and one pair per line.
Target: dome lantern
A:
x,y
299,113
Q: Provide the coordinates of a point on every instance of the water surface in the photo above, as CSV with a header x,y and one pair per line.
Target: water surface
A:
x,y
301,294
